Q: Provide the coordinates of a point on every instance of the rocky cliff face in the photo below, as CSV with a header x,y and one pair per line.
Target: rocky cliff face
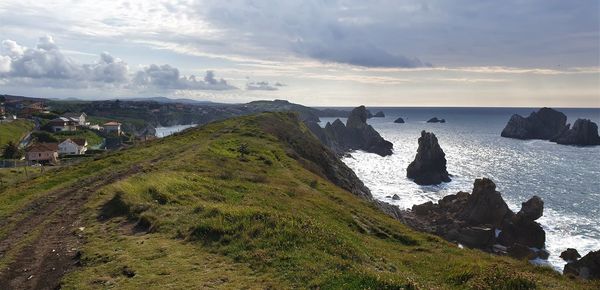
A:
x,y
475,219
587,267
583,133
355,135
429,166
544,124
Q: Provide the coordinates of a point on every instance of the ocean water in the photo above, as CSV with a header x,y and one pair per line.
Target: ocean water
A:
x,y
567,178
166,131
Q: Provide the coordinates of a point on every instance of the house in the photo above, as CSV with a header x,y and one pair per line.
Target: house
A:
x,y
62,124
78,118
42,153
112,128
72,146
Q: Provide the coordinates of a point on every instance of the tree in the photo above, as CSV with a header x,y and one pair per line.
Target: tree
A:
x,y
11,151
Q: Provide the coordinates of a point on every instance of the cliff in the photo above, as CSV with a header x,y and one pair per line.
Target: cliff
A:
x,y
250,202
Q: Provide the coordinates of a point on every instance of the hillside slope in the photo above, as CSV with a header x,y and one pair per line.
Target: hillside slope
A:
x,y
243,203
14,131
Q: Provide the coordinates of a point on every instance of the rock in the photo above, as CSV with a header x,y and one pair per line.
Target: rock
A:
x,y
355,135
544,124
395,197
436,120
379,114
423,209
521,252
476,237
528,233
399,120
587,267
583,133
485,205
570,255
128,272
532,209
429,166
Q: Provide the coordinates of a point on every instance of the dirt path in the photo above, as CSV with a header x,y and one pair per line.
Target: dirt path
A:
x,y
48,233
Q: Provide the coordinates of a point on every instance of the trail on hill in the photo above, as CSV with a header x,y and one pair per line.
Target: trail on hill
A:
x,y
43,244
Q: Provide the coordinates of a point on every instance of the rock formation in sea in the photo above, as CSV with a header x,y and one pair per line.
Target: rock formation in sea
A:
x,y
481,219
436,120
583,133
355,135
544,124
399,120
429,166
570,255
587,267
379,114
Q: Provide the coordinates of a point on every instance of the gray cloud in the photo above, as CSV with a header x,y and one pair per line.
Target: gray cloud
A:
x,y
263,86
46,65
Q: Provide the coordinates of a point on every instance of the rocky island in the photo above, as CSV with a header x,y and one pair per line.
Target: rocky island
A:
x,y
399,120
549,124
379,114
429,166
356,134
436,120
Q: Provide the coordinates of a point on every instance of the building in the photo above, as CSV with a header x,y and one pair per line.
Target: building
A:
x,y
78,118
42,153
75,146
112,128
62,124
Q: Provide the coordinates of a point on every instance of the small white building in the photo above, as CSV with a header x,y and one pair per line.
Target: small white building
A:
x,y
112,128
73,146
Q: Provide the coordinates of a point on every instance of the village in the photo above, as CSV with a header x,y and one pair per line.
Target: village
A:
x,y
33,134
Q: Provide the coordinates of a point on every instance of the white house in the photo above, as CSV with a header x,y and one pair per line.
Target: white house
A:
x,y
72,146
78,118
112,128
63,124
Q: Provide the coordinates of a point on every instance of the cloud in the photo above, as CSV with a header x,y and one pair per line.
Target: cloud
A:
x,y
263,86
46,65
168,77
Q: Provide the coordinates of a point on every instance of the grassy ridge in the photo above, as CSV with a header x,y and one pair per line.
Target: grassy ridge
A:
x,y
198,215
14,131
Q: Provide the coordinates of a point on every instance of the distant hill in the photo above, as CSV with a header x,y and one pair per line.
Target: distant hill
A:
x,y
166,100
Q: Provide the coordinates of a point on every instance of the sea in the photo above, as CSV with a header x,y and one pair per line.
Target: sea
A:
x,y
567,178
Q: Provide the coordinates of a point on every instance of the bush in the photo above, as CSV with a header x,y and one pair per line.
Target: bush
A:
x,y
11,151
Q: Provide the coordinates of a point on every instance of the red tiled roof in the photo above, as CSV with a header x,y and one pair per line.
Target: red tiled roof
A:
x,y
43,147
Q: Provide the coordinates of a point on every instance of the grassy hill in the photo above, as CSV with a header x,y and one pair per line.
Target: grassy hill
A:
x,y
14,131
242,203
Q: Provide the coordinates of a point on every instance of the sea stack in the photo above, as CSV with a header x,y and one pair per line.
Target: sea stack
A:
x,y
429,166
379,114
544,124
399,120
583,133
436,120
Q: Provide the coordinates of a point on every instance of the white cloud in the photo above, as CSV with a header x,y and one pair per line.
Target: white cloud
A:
x,y
46,65
263,86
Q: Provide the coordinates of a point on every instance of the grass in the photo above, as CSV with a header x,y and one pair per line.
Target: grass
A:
x,y
199,215
14,131
92,138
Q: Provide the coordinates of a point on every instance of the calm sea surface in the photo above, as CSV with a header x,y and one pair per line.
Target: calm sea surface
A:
x,y
567,178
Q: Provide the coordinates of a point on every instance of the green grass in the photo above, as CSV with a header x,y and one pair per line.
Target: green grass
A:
x,y
14,131
198,215
92,138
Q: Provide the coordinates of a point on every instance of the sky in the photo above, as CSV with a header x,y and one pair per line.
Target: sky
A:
x,y
320,53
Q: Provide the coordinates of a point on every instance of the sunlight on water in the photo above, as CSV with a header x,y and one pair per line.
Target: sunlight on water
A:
x,y
567,178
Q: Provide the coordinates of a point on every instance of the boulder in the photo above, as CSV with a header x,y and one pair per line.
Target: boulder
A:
x,y
399,120
423,209
544,124
476,237
530,234
521,252
436,120
379,114
429,166
485,205
583,133
532,209
587,267
570,255
395,197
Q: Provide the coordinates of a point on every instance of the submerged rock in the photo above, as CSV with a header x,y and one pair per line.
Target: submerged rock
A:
x,y
429,166
436,120
583,133
544,124
379,114
587,267
570,255
399,120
